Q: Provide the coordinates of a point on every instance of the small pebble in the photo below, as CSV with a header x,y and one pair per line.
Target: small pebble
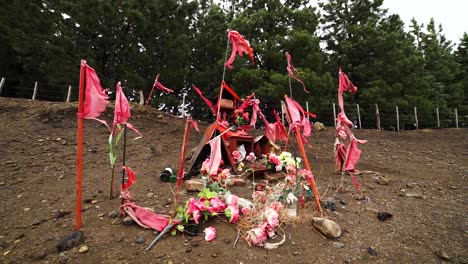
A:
x,y
83,249
140,240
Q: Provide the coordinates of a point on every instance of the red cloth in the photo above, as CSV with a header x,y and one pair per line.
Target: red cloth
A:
x,y
239,47
161,87
95,97
131,178
291,70
215,155
207,102
145,218
122,109
344,84
298,117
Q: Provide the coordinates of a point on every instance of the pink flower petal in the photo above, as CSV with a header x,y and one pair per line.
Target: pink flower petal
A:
x,y
210,233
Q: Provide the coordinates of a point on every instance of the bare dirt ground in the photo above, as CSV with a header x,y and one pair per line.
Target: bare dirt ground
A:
x,y
427,195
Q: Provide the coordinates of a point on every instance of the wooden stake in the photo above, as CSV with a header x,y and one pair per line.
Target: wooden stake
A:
x,y
359,116
79,150
456,118
123,154
416,117
437,114
2,82
334,114
35,91
398,119
142,98
377,116
68,94
307,109
290,89
180,172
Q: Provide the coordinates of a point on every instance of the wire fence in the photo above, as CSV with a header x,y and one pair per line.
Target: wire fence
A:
x,y
368,116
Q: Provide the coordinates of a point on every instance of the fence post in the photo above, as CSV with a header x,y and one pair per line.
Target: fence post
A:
x,y
2,82
456,118
307,109
68,94
359,116
35,91
377,116
334,114
438,120
142,98
282,111
416,117
397,119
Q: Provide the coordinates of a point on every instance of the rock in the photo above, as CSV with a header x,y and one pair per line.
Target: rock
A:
x,y
382,180
327,227
40,254
127,221
70,241
194,243
40,140
113,214
140,240
2,183
94,201
149,195
330,205
296,253
26,209
412,194
382,216
83,249
188,250
214,255
318,126
370,209
442,255
38,222
100,215
372,251
238,181
411,184
194,185
338,245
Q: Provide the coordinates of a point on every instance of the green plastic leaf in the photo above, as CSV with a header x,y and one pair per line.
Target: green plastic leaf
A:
x,y
181,228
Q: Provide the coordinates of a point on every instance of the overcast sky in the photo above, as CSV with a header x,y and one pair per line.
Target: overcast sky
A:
x,y
452,14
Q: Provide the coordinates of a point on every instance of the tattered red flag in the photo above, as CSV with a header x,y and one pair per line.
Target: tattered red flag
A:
x,y
122,109
291,70
207,102
239,47
159,86
95,97
131,178
344,84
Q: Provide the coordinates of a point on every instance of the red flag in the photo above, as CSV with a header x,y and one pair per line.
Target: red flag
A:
x,y
215,155
131,178
344,84
194,124
239,47
122,109
291,70
161,87
207,102
95,98
298,116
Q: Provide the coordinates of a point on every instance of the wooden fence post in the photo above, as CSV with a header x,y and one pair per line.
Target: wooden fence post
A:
x,y
438,119
334,114
2,82
377,116
282,111
307,109
35,91
416,117
397,119
456,118
142,98
68,94
359,116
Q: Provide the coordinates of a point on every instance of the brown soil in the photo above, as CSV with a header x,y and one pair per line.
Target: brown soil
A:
x,y
38,157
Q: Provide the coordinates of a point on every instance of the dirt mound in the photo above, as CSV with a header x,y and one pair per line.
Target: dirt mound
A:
x,y
426,194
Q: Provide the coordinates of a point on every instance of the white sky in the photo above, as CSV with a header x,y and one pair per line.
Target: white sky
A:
x,y
452,14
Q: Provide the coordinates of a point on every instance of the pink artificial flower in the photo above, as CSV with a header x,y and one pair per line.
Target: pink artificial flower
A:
x,y
205,166
306,174
259,195
251,157
272,217
270,231
201,204
234,210
216,205
291,169
257,236
193,210
246,211
210,233
279,167
277,206
275,160
236,155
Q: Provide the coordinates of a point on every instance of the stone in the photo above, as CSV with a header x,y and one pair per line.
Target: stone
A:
x,y
40,254
338,245
127,221
149,195
188,250
238,182
411,184
382,216
318,126
412,194
26,209
214,255
194,243
195,185
372,251
83,249
227,241
381,180
370,209
100,215
442,255
70,241
140,240
113,214
2,183
327,227
330,205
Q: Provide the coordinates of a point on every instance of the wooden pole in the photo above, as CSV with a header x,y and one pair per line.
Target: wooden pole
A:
x,y
438,119
79,150
334,114
307,109
290,89
456,118
397,119
282,112
377,116
180,172
2,82
68,94
359,116
416,117
35,91
123,154
142,98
